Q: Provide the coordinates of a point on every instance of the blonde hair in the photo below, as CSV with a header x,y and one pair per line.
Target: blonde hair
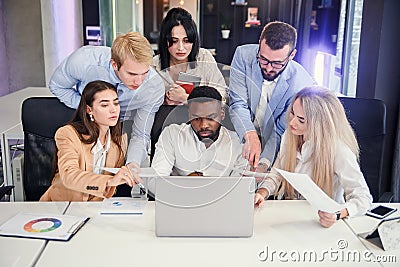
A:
x,y
133,45
326,124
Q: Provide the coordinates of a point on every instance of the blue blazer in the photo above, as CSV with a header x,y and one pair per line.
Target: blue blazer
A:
x,y
245,91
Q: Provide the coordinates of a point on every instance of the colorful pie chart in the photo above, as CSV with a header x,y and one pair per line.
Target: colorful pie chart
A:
x,y
41,225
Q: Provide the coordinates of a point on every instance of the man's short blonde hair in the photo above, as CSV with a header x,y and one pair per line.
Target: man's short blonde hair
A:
x,y
133,45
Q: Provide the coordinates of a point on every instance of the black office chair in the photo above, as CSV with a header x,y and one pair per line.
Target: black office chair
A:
x,y
368,119
41,117
179,114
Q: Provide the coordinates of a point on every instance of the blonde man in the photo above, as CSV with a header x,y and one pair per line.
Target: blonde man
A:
x,y
320,142
126,65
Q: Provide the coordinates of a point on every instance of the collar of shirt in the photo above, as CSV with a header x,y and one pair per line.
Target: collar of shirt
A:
x,y
98,148
114,78
273,81
305,151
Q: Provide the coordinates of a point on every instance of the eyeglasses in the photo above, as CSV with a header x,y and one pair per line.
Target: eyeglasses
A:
x,y
275,64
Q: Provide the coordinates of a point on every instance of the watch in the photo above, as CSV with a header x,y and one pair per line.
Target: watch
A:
x,y
338,215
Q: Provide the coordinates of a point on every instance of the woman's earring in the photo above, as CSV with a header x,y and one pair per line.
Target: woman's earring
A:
x,y
91,117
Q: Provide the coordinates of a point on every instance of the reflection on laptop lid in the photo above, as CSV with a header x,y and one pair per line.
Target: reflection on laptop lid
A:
x,y
204,206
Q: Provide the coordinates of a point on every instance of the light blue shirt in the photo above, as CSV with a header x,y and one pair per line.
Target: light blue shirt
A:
x,y
91,63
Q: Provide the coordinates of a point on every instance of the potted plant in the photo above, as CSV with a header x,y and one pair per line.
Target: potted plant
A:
x,y
225,30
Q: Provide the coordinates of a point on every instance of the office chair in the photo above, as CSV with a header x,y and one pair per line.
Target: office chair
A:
x,y
368,119
41,117
179,114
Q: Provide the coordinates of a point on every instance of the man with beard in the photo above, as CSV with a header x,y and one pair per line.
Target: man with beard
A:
x,y
202,147
263,80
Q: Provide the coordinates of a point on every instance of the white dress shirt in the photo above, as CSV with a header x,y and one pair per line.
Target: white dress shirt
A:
x,y
266,92
349,185
180,152
100,153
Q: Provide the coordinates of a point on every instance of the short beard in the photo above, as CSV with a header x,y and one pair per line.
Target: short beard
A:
x,y
271,78
209,139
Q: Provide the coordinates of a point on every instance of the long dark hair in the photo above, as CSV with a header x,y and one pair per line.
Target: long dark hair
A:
x,y
175,17
87,130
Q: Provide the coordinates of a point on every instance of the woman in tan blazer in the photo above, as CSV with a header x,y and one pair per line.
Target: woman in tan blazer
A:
x,y
91,140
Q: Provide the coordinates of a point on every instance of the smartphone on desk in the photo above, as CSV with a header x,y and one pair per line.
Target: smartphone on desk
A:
x,y
381,212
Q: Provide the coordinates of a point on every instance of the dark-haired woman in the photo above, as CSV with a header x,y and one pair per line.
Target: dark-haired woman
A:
x,y
91,141
179,48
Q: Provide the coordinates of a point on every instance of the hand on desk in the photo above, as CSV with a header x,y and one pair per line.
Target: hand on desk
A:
x,y
328,219
258,200
259,197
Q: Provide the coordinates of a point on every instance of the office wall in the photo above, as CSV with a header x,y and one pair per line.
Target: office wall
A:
x,y
61,32
21,45
378,71
35,35
189,5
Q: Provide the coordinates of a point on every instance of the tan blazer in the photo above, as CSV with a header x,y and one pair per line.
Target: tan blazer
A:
x,y
75,180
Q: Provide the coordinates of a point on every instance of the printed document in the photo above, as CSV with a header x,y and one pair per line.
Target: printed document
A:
x,y
311,192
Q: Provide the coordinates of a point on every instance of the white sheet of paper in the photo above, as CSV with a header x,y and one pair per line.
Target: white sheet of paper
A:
x,y
311,192
144,172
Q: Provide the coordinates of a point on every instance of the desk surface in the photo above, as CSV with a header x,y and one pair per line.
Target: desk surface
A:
x,y
10,108
366,224
23,251
289,227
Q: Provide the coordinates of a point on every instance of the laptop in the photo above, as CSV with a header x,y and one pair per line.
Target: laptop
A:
x,y
196,206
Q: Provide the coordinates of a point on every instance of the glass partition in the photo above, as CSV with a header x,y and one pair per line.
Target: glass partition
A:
x,y
119,17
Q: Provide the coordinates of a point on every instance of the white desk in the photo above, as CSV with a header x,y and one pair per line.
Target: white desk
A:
x,y
24,251
10,122
365,224
129,240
